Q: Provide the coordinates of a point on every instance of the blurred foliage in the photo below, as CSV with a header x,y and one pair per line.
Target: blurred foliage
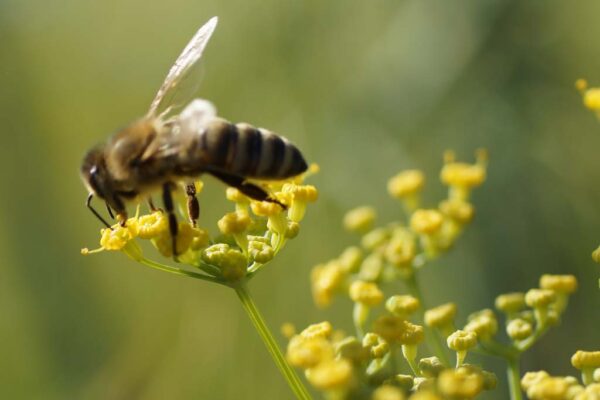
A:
x,y
365,89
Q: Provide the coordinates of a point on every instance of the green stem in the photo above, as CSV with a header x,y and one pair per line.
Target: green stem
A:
x,y
431,336
269,341
178,271
514,379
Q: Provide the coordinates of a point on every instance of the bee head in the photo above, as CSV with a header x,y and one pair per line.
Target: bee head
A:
x,y
97,179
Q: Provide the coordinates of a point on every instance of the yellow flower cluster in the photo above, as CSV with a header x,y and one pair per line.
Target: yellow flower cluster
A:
x,y
396,250
250,237
540,385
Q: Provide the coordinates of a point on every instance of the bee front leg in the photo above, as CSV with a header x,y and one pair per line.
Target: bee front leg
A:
x,y
173,228
192,203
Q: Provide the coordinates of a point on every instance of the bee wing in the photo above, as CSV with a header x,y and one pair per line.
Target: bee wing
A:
x,y
182,131
186,60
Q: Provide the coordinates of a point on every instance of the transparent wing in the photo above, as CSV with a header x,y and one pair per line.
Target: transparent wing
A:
x,y
186,60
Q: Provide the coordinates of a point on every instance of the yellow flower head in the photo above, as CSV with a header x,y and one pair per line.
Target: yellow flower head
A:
x,y
397,330
152,225
260,252
533,378
307,353
406,183
519,329
440,316
234,223
460,384
376,345
401,249
321,330
326,280
402,306
117,237
586,359
565,284
549,388
183,240
462,340
510,303
359,219
464,175
458,210
331,374
232,263
539,298
350,259
431,367
426,222
483,323
388,392
300,196
366,293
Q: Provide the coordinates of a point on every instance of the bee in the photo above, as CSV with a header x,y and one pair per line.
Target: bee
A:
x,y
157,152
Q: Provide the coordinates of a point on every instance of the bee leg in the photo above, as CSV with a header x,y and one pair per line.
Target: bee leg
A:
x,y
168,202
88,204
249,189
192,203
151,205
109,211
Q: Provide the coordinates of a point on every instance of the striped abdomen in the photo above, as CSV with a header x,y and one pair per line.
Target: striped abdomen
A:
x,y
244,150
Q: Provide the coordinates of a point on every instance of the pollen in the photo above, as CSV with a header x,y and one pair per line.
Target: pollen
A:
x,y
116,238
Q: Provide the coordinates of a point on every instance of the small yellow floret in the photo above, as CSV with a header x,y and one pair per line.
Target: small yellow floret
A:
x,y
236,196
403,306
288,330
519,329
539,298
426,221
231,262
307,353
406,183
366,293
565,284
591,99
533,378
586,359
483,323
459,210
322,330
549,388
388,392
463,174
460,384
152,225
117,237
462,340
326,280
350,259
260,252
359,219
234,223
581,84
376,345
265,208
596,255
185,235
331,374
510,303
401,249
440,316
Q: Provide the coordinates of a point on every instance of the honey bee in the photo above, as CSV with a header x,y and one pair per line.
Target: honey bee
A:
x,y
158,152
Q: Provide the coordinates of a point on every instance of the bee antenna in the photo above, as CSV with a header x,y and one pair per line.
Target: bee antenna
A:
x,y
88,204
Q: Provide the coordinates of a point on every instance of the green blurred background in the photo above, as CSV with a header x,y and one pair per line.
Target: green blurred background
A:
x,y
365,88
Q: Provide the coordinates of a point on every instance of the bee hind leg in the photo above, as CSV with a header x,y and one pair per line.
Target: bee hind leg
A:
x,y
249,189
192,203
173,228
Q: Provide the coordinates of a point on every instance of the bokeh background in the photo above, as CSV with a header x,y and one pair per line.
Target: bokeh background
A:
x,y
365,88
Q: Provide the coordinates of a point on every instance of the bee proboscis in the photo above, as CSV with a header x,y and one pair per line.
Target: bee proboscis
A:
x,y
156,152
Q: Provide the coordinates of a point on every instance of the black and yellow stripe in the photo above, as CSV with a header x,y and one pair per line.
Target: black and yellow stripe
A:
x,y
245,150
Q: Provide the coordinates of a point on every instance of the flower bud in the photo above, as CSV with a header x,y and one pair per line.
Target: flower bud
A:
x,y
359,219
402,306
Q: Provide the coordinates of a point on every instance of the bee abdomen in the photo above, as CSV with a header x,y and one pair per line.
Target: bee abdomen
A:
x,y
250,152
